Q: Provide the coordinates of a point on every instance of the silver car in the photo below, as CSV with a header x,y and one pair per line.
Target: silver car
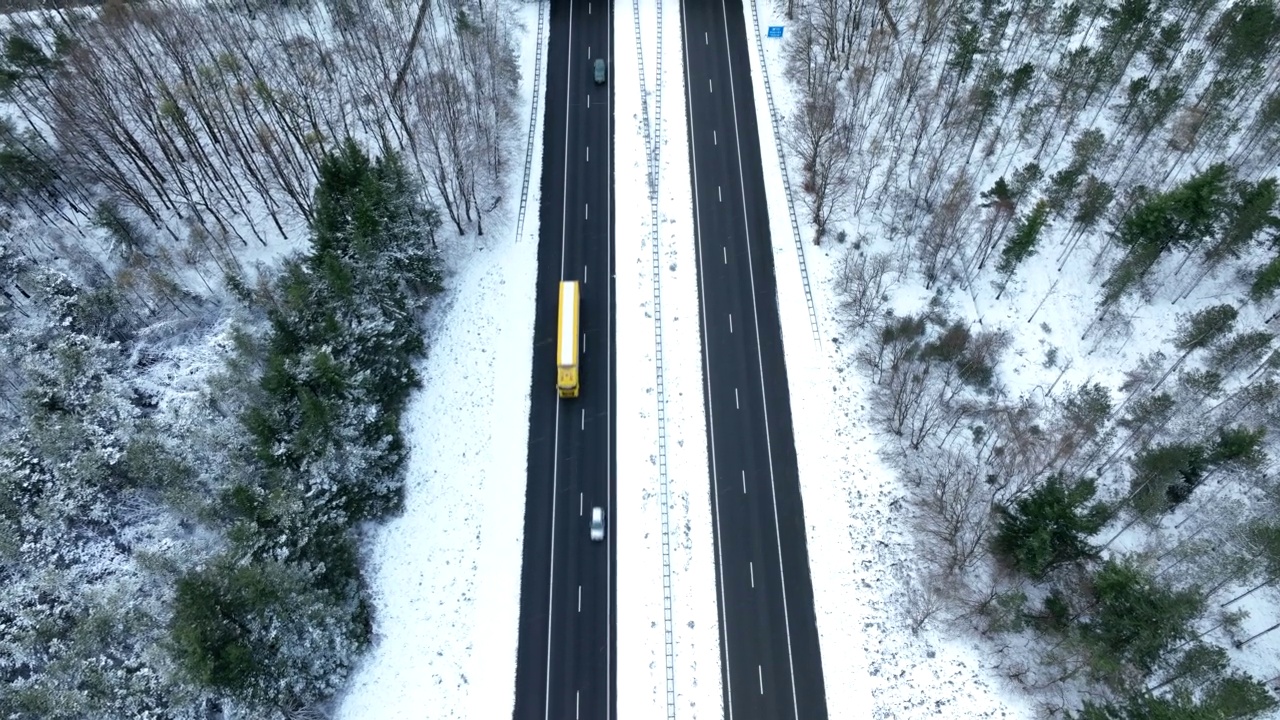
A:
x,y
598,65
597,524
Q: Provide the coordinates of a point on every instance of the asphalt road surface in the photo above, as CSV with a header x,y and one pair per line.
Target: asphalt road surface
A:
x,y
770,661
565,665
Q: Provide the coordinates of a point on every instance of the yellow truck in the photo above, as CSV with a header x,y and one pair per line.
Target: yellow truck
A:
x,y
567,341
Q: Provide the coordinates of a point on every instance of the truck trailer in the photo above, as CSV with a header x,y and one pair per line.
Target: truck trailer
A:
x,y
567,341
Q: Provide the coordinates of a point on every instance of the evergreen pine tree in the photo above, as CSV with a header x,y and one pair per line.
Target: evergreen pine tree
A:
x,y
1022,244
1050,526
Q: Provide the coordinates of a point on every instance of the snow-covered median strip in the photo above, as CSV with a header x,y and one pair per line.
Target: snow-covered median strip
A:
x,y
641,641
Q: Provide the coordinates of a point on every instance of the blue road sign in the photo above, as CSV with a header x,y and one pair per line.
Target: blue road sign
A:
x,y
775,31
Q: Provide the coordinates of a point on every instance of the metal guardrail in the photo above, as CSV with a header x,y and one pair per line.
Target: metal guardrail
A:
x,y
786,180
652,148
533,120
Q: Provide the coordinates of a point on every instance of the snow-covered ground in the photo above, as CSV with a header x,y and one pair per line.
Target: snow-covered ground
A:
x,y
445,575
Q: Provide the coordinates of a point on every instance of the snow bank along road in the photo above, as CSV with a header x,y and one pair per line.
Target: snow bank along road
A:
x,y
565,663
770,660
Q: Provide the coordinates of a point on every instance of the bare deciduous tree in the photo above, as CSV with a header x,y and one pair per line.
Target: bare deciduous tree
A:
x,y
194,116
955,511
822,135
862,283
943,240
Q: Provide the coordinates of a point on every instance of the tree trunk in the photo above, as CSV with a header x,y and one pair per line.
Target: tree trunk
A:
x,y
1248,592
398,85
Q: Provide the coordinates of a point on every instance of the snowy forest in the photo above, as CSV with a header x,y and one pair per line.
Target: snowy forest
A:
x,y
1058,244
218,234
1058,258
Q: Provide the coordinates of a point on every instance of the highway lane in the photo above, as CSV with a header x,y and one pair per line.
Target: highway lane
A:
x,y
565,665
770,659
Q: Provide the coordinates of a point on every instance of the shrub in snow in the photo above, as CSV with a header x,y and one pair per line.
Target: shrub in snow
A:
x,y
1164,474
266,633
862,284
81,624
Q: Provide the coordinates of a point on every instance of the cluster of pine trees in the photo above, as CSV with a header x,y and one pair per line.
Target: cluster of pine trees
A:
x,y
160,561
190,441
279,615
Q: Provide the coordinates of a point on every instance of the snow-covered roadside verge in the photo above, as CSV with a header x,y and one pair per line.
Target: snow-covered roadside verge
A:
x,y
859,554
641,647
445,575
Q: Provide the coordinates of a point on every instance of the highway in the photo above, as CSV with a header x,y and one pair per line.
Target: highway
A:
x,y
770,660
565,663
